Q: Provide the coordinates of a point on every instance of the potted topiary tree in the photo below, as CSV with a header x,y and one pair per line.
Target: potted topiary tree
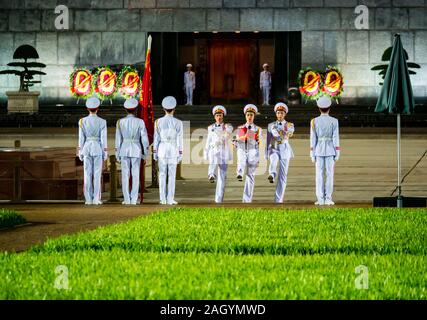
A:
x,y
24,100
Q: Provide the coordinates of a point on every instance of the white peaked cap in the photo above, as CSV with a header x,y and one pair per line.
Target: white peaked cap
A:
x,y
281,106
250,107
131,103
169,102
189,65
265,65
92,103
324,102
217,109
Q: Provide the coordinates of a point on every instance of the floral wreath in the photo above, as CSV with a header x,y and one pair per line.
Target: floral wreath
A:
x,y
105,83
80,83
310,82
129,82
333,83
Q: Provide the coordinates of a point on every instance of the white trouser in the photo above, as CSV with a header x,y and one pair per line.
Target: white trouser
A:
x,y
189,93
243,163
130,165
92,178
221,169
266,94
282,176
324,178
167,168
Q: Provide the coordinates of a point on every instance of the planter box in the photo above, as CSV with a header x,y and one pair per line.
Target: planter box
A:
x,y
26,102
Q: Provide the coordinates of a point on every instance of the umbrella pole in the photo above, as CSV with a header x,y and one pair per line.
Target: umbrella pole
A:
x,y
399,188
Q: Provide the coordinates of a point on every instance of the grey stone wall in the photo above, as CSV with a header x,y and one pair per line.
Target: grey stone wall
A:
x,y
114,31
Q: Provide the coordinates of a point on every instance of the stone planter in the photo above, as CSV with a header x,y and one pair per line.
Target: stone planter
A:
x,y
21,101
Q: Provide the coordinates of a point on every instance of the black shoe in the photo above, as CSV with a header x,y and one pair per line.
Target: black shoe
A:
x,y
211,179
239,177
271,178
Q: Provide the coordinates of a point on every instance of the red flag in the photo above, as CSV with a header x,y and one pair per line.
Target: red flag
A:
x,y
145,111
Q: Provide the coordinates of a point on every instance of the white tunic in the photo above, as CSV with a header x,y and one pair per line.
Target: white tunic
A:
x,y
324,137
278,139
168,138
217,149
131,138
92,137
190,79
265,79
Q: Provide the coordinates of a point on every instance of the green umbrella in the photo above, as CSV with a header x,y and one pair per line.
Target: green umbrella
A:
x,y
396,96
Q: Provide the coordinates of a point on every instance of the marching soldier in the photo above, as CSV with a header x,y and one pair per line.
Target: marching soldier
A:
x,y
265,84
278,149
247,142
189,84
167,149
131,146
92,150
324,151
217,151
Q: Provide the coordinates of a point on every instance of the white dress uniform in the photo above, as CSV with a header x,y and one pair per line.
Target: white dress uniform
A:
x,y
265,85
324,151
167,150
92,151
279,151
131,146
189,85
247,143
217,152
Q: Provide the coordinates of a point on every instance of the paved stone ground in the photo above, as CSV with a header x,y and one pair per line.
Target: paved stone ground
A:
x,y
367,168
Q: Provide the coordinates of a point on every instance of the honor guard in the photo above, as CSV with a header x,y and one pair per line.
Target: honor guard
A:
x,y
324,150
278,149
247,142
217,151
265,84
131,146
92,150
189,84
167,149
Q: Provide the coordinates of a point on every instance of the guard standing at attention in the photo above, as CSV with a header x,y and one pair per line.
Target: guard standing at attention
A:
x,y
131,146
92,150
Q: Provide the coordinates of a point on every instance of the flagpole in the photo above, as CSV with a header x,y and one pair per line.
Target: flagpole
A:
x,y
399,188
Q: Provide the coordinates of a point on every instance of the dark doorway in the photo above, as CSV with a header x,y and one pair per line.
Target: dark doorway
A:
x,y
227,65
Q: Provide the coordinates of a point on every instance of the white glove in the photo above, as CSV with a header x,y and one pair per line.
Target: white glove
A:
x,y
179,159
313,159
155,157
336,158
81,157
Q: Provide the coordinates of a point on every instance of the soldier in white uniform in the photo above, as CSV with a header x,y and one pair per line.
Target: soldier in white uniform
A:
x,y
217,151
167,149
278,149
131,146
189,84
324,150
265,84
247,142
92,150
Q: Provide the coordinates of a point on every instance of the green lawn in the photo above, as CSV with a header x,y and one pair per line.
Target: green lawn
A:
x,y
232,254
9,218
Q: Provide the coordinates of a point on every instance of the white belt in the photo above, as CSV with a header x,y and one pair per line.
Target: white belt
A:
x,y
324,139
130,140
92,139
